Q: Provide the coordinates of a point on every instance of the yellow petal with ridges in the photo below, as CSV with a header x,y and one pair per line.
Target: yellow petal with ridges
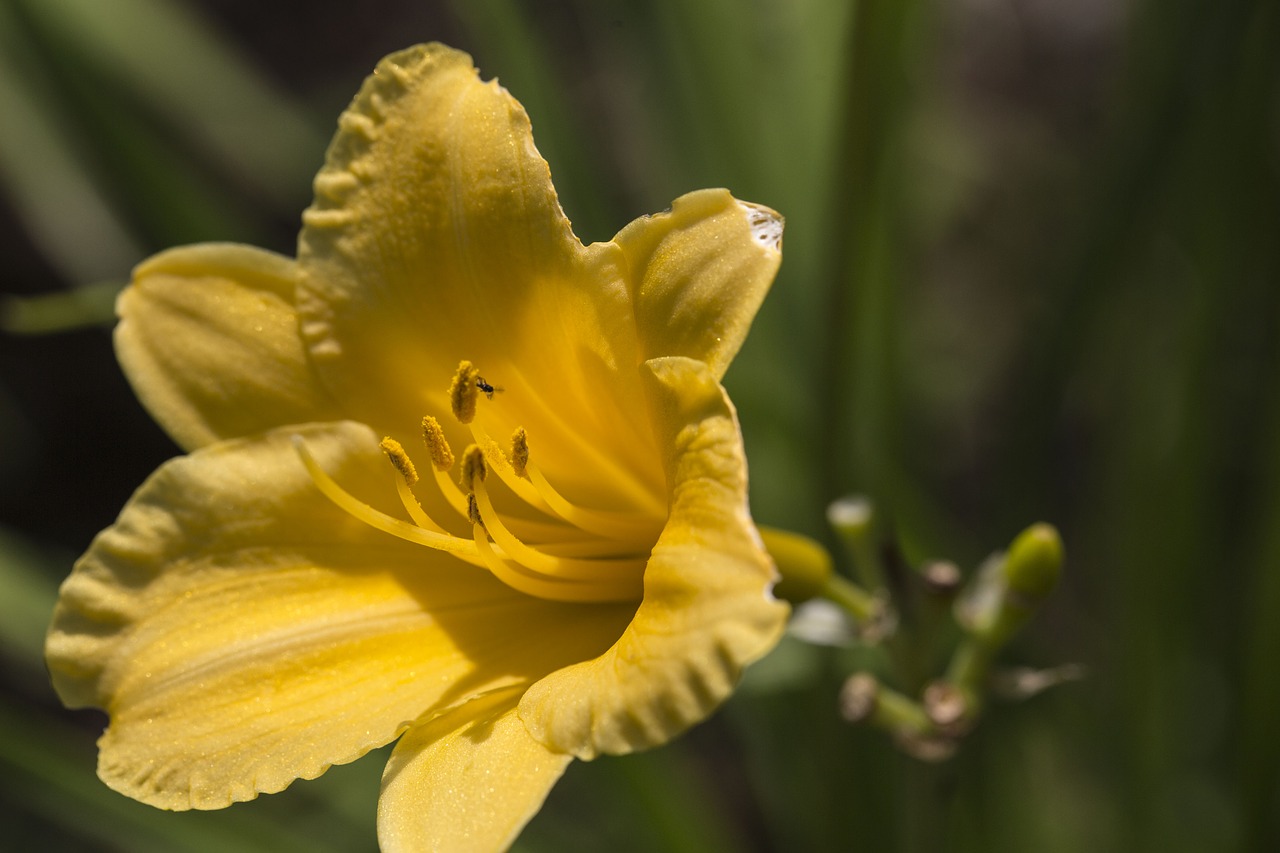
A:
x,y
698,274
242,631
208,337
436,236
466,780
707,610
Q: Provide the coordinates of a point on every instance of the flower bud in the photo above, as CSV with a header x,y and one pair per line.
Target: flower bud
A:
x,y
1034,562
804,565
1011,586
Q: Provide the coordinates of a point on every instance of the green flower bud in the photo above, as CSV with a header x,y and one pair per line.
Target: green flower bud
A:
x,y
804,565
1034,562
1010,586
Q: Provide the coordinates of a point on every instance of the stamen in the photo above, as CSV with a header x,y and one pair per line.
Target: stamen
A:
x,y
463,396
462,548
494,455
595,549
546,570
534,489
621,477
615,525
400,459
404,486
449,490
473,468
531,558
505,470
433,435
549,535
520,452
415,510
624,588
463,392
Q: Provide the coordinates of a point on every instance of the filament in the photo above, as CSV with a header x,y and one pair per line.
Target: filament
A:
x,y
379,520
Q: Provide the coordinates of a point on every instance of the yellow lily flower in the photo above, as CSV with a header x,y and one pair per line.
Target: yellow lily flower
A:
x,y
294,592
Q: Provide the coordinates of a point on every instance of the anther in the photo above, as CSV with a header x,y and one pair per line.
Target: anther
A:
x,y
473,468
400,459
463,392
520,452
473,510
433,435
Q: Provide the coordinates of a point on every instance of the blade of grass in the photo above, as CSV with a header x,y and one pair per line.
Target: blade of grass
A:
x,y
176,62
53,192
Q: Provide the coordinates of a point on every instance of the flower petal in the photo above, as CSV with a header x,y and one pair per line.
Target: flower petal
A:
x,y
242,631
469,779
699,273
209,339
707,608
436,236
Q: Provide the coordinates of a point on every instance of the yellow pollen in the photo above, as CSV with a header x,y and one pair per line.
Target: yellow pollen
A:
x,y
520,452
400,459
473,468
463,392
433,435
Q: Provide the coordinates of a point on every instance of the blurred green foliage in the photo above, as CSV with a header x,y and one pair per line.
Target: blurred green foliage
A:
x,y
1032,271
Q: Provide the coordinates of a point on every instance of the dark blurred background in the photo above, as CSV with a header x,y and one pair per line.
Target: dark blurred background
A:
x,y
1032,272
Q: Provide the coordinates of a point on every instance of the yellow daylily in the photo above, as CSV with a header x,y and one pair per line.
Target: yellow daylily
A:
x,y
570,569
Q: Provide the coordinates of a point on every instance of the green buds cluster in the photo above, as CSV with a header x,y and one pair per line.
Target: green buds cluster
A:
x,y
926,714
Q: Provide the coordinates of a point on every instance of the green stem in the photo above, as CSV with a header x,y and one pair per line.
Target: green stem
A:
x,y
969,666
897,712
865,608
854,520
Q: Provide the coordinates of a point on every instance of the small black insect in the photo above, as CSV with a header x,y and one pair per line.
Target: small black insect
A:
x,y
487,388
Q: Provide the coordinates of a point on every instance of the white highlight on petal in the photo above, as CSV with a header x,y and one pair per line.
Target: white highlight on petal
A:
x,y
766,226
